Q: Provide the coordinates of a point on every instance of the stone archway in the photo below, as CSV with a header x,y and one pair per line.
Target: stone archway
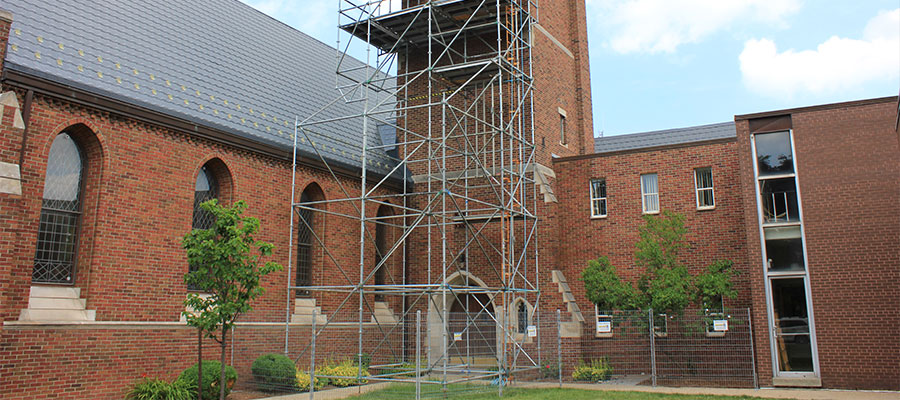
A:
x,y
479,334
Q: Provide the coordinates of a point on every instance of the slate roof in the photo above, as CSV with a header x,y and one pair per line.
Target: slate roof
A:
x,y
217,63
633,141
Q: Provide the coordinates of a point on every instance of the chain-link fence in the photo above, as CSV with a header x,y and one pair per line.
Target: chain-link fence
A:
x,y
693,349
404,356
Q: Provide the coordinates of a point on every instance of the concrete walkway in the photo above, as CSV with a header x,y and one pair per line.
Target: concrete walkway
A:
x,y
800,394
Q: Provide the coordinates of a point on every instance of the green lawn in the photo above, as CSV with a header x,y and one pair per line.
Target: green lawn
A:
x,y
479,392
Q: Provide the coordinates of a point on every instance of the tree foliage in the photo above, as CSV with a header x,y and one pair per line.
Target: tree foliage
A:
x,y
665,284
227,270
605,288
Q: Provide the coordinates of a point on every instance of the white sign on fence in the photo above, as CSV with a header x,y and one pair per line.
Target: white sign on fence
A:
x,y
532,331
720,325
457,336
604,326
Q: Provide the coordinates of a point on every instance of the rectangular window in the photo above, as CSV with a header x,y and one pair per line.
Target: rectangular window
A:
x,y
779,200
649,194
704,183
562,129
598,197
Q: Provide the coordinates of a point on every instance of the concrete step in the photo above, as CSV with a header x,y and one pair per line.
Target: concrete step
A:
x,y
307,310
564,287
305,302
67,292
62,303
49,314
307,319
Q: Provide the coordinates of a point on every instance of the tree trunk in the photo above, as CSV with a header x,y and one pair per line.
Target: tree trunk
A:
x,y
222,360
199,364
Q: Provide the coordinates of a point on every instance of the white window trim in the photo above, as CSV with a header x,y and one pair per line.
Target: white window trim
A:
x,y
592,199
697,189
644,195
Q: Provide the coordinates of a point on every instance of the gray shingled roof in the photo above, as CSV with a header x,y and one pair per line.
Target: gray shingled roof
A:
x,y
218,63
633,141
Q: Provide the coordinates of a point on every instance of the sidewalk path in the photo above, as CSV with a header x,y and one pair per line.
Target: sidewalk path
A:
x,y
801,394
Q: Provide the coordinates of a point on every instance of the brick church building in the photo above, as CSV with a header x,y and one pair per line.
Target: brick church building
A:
x,y
113,131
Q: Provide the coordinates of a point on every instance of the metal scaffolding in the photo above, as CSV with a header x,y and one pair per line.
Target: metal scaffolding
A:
x,y
447,88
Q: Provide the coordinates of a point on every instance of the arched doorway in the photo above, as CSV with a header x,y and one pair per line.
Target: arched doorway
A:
x,y
472,327
471,336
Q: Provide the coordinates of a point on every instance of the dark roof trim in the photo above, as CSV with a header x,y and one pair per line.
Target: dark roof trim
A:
x,y
821,107
645,149
86,98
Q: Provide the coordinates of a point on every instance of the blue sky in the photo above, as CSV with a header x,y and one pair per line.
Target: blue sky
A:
x,y
659,64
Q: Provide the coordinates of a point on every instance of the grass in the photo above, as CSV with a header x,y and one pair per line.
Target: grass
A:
x,y
483,392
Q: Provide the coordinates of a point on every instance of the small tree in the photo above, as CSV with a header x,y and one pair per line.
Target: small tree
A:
x,y
715,284
226,259
604,287
665,284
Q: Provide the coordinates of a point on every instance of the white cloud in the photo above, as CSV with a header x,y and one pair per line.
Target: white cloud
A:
x,y
654,26
838,64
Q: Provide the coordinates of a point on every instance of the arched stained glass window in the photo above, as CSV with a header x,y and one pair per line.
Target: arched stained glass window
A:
x,y
522,317
381,248
54,259
206,188
305,244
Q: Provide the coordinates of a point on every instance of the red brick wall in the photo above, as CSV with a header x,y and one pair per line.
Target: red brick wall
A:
x,y
848,170
712,234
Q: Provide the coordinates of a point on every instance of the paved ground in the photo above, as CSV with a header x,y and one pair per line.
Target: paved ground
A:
x,y
800,394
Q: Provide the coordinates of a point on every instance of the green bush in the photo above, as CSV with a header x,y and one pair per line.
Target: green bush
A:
x,y
273,372
303,381
210,379
596,370
158,389
341,374
550,370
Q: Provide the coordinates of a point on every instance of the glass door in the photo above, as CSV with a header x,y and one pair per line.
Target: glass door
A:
x,y
793,347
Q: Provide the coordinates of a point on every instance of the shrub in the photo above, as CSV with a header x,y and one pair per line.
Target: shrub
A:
x,y
273,372
341,374
158,389
550,370
596,370
303,381
210,390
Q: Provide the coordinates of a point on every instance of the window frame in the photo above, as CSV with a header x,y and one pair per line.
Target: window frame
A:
x,y
644,195
78,214
596,198
563,131
773,275
698,189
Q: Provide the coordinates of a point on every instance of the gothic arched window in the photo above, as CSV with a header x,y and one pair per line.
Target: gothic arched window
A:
x,y
54,259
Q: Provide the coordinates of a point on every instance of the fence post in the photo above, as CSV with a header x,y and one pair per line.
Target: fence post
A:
x,y
418,353
559,347
312,359
752,350
652,349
